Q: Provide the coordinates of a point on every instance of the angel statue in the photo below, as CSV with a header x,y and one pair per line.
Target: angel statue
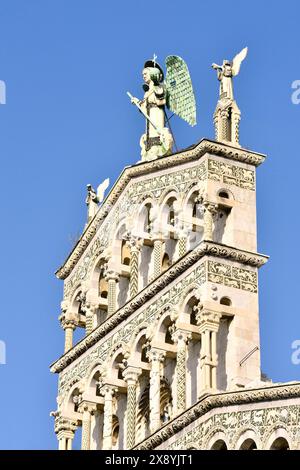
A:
x,y
227,114
176,92
94,198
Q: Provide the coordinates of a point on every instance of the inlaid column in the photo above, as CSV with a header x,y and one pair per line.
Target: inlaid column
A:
x,y
157,258
156,358
135,248
87,409
182,245
181,338
65,431
209,211
131,375
209,322
108,391
112,278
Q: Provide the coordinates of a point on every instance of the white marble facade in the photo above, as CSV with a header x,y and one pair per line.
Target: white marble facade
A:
x,y
163,285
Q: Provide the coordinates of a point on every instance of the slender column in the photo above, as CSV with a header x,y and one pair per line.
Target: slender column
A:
x,y
87,409
112,278
157,268
182,246
68,323
156,357
68,326
209,211
108,392
214,359
65,431
131,375
208,322
89,318
135,247
181,338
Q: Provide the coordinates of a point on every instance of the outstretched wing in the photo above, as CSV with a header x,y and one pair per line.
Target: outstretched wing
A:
x,y
101,189
180,94
236,63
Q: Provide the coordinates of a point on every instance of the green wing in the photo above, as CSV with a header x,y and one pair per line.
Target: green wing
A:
x,y
180,94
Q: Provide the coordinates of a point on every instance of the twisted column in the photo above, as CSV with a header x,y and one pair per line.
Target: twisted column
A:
x,y
112,278
181,338
89,318
209,211
108,391
131,375
208,322
156,358
87,409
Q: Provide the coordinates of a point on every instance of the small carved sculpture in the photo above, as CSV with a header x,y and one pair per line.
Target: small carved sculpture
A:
x,y
94,198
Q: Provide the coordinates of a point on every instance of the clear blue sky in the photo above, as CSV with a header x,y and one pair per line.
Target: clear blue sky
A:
x,y
67,66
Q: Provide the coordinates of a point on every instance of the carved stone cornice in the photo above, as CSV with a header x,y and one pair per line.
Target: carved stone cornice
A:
x,y
209,402
193,153
203,249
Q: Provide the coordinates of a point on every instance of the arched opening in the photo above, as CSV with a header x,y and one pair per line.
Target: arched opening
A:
x,y
165,262
78,307
226,301
118,367
143,412
193,377
280,444
75,399
248,444
147,218
115,430
103,286
103,294
171,211
193,216
219,445
224,194
125,253
165,330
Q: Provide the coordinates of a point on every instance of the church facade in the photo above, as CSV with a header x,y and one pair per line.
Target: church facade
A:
x,y
164,283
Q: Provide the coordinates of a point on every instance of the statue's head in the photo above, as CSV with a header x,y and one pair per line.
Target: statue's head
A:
x,y
227,68
152,72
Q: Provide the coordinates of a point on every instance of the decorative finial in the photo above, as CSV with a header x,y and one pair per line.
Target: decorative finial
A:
x,y
227,115
176,92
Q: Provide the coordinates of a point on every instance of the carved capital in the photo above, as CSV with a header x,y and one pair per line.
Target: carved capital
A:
x,y
64,424
210,207
134,242
156,355
108,391
67,322
111,275
131,374
87,406
181,337
208,320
